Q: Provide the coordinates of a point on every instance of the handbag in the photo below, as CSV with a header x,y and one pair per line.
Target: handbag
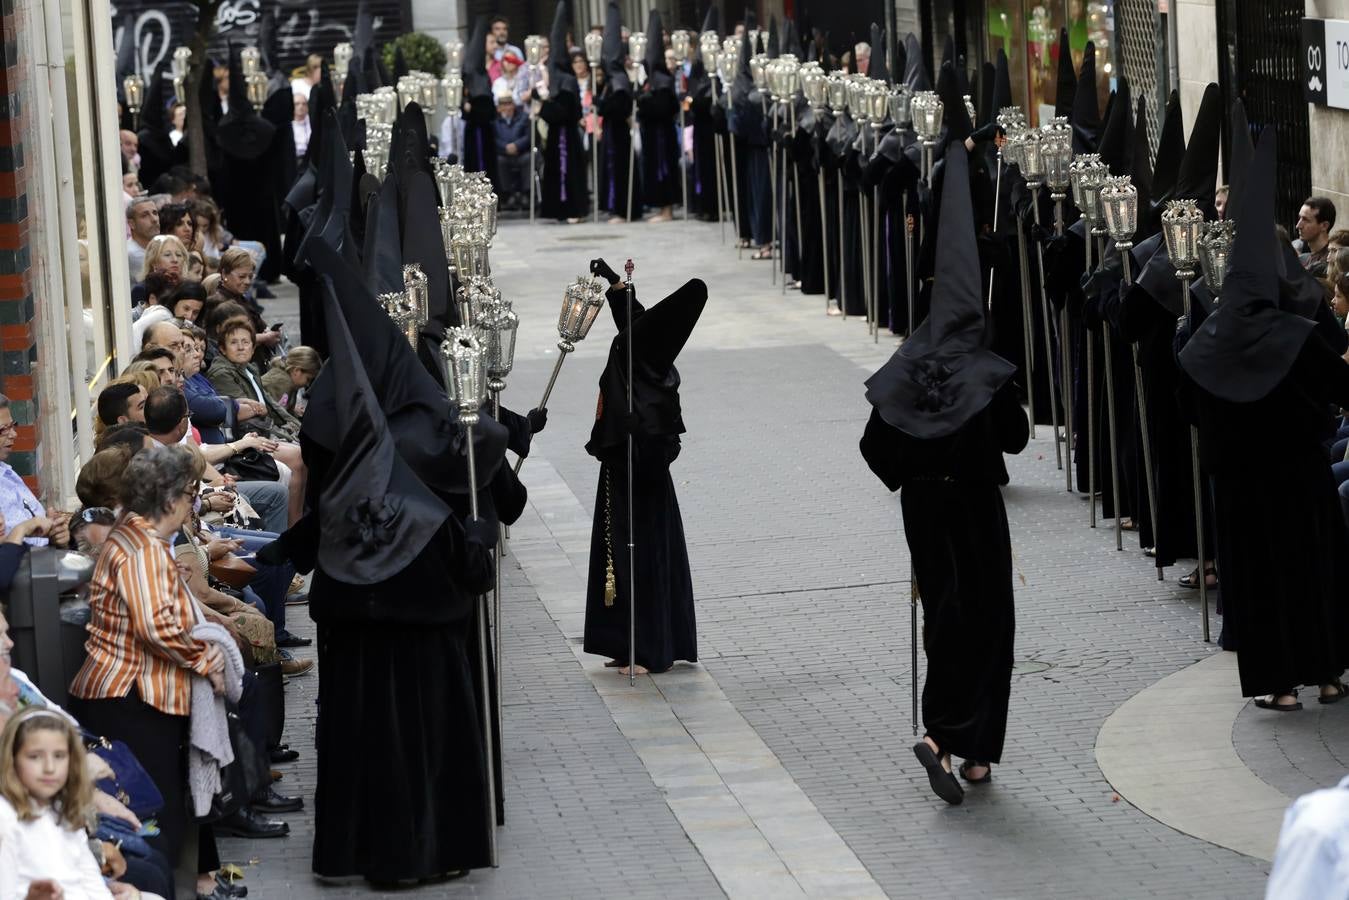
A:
x,y
120,833
130,784
252,464
232,570
242,778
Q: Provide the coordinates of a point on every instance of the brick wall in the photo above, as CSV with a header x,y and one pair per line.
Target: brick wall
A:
x,y
18,344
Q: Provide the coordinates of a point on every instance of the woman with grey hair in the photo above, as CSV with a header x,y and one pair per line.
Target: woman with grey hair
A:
x,y
136,684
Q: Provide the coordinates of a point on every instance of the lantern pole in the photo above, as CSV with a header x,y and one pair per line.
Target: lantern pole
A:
x,y
632,568
1108,340
774,232
1065,393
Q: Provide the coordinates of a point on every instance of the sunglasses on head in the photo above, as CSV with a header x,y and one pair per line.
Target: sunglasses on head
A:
x,y
95,515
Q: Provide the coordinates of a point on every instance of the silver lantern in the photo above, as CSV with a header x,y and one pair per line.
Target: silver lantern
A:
x,y
1092,180
454,56
681,41
469,250
1080,164
1215,250
637,47
251,60
1182,227
534,50
1119,206
1032,158
133,91
182,61
594,47
498,324
257,90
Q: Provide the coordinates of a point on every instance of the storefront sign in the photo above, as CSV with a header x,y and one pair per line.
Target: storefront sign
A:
x,y
1325,62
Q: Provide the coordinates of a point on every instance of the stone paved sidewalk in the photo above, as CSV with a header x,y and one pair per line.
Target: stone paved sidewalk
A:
x,y
800,572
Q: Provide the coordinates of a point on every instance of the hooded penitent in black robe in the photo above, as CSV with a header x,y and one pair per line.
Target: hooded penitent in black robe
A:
x,y
665,627
703,117
800,154
943,415
480,114
842,143
1261,383
251,206
657,118
750,128
617,174
396,572
565,162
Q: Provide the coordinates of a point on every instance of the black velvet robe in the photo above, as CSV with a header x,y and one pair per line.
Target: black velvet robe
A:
x,y
402,773
811,255
956,527
703,176
1280,531
480,143
615,155
564,158
657,115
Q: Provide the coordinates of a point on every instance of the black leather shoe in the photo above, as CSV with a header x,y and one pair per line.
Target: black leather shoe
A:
x,y
269,801
283,755
229,888
288,641
246,823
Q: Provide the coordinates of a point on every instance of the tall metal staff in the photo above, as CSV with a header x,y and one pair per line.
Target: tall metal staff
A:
x,y
838,104
902,115
594,48
860,109
792,83
1119,204
533,56
632,541
913,642
1081,172
708,42
462,356
1032,153
927,110
1182,227
878,101
682,44
1093,179
816,87
582,301
730,64
1058,158
637,51
763,80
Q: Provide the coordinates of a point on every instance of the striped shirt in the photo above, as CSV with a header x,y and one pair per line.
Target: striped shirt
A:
x,y
141,623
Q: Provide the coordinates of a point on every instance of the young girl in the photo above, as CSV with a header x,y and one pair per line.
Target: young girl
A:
x,y
288,376
45,797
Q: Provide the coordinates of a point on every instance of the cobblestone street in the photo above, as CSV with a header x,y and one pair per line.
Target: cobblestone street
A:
x,y
780,765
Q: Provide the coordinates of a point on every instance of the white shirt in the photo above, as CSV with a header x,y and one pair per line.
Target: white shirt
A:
x,y
1312,861
44,849
301,86
301,130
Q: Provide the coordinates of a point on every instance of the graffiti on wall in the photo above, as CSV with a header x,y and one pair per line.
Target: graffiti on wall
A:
x,y
156,27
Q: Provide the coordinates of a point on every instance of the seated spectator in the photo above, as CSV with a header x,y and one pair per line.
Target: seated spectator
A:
x,y
136,683
215,417
119,402
177,123
1315,220
45,797
215,239
177,219
17,503
161,361
186,301
134,436
511,80
300,126
149,309
142,217
91,525
288,377
165,253
217,312
237,270
100,480
233,375
512,136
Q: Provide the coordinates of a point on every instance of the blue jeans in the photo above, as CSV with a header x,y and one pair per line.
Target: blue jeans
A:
x,y
267,590
270,499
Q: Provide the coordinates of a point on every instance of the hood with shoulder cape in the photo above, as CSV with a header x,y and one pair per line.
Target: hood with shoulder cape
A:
x,y
615,74
561,79
1198,175
658,335
915,70
378,516
1086,115
1248,345
943,375
657,73
878,69
476,83
1242,150
1170,148
1141,174
241,133
1117,138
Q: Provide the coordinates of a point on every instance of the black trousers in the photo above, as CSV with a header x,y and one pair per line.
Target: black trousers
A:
x,y
513,174
159,742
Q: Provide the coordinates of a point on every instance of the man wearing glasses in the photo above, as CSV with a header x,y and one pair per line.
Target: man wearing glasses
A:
x,y
17,503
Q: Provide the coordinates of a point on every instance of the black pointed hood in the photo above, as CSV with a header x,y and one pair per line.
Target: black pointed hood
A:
x,y
772,48
948,53
791,39
400,63
1248,345
956,117
152,113
1086,116
423,244
241,132
268,51
1117,138
900,64
1002,84
878,69
613,53
986,112
559,55
711,21
1242,151
658,335
378,516
383,256
657,73
476,83
1170,148
1198,176
943,375
363,38
1140,172
915,70
1066,86
373,71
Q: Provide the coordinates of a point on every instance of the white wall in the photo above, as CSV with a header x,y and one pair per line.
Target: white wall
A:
x,y
1330,131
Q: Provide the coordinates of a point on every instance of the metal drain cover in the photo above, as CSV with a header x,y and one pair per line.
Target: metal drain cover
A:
x,y
1030,667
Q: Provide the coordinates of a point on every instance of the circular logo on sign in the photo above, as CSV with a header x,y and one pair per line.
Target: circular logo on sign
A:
x,y
1314,58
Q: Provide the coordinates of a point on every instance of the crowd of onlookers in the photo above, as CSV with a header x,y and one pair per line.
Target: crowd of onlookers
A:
x,y
174,724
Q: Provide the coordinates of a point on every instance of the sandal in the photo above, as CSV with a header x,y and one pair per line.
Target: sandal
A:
x,y
1268,702
971,763
762,253
942,782
1191,581
1341,691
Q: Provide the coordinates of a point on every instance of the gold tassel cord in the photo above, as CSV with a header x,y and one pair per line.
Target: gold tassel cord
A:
x,y
610,582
